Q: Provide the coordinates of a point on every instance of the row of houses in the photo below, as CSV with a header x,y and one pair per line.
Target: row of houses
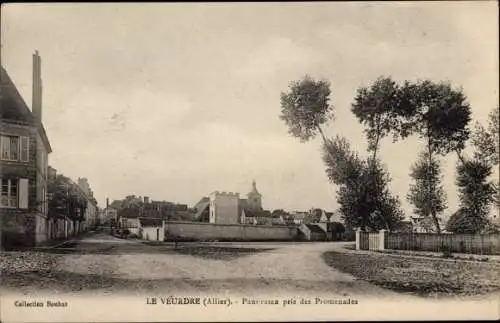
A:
x,y
24,170
138,215
217,208
229,208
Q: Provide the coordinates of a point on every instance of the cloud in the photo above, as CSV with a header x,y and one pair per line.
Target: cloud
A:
x,y
275,55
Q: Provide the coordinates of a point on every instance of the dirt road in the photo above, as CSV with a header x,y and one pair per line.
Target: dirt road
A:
x,y
100,263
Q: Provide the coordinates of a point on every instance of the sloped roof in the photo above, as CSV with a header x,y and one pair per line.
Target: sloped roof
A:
x,y
201,206
299,215
315,228
336,217
182,216
151,222
13,102
261,214
129,215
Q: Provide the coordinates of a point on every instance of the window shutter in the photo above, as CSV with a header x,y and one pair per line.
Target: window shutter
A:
x,y
5,147
25,149
23,193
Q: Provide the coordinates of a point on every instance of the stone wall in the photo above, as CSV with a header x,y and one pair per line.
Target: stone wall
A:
x,y
18,228
229,232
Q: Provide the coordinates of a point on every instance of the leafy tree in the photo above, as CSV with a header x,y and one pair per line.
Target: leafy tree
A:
x,y
337,230
66,199
476,195
436,112
476,192
462,222
315,215
439,114
496,196
426,193
343,165
377,108
131,206
279,212
389,207
116,204
486,140
305,107
357,180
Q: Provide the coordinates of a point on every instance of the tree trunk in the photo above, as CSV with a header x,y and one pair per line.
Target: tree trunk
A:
x,y
373,167
460,157
431,188
322,134
436,222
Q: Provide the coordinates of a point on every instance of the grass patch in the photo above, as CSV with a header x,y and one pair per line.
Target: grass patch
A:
x,y
420,276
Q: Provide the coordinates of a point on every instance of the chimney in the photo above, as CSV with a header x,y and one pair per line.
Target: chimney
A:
x,y
107,202
36,104
146,199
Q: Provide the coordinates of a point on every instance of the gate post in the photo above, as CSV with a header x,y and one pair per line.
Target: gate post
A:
x,y
358,238
381,240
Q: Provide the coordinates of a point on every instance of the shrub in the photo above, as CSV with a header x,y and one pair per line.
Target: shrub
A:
x,y
349,236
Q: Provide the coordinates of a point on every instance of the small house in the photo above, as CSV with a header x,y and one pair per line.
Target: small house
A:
x,y
152,229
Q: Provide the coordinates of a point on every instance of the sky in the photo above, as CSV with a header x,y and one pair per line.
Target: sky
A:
x,y
174,101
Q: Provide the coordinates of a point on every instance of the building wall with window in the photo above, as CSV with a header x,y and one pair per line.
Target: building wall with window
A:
x,y
24,149
91,212
23,184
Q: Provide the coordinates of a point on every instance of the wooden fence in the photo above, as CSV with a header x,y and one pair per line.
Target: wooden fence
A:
x,y
483,244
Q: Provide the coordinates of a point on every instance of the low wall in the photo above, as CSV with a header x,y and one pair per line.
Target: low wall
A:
x,y
227,232
17,228
153,233
461,243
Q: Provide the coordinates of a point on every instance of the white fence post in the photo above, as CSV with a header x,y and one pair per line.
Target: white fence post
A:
x,y
381,240
358,238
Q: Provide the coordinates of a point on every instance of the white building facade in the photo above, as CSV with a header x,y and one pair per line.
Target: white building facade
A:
x,y
223,208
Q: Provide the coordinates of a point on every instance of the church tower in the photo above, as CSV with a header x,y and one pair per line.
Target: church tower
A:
x,y
254,199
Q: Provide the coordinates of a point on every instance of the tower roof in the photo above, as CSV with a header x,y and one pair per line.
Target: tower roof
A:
x,y
254,187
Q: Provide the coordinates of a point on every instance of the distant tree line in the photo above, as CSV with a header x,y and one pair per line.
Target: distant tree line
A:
x,y
134,206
